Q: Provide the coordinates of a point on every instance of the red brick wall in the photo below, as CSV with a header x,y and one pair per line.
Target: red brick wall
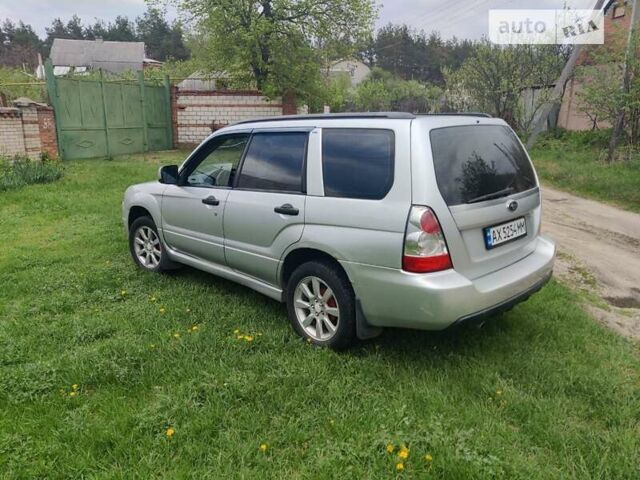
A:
x,y
47,128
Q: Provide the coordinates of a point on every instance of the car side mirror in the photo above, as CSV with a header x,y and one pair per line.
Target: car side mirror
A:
x,y
168,175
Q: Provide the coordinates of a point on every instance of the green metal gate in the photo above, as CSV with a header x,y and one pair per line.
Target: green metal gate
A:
x,y
100,118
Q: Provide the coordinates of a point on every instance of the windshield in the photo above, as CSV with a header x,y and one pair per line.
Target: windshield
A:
x,y
476,163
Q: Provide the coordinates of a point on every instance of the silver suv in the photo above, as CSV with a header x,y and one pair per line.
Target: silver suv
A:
x,y
356,222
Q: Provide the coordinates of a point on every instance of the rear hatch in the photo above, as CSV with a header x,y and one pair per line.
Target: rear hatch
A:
x,y
490,188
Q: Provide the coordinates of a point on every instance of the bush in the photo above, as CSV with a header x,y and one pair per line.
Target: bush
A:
x,y
588,138
21,171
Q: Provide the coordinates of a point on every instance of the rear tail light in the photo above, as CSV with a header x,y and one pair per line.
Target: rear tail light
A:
x,y
425,249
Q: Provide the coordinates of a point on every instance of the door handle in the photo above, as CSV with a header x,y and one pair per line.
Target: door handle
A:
x,y
211,200
287,209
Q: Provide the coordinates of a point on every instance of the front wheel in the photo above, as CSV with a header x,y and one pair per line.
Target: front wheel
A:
x,y
146,247
321,305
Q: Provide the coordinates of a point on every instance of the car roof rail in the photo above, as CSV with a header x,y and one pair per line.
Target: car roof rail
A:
x,y
458,114
332,116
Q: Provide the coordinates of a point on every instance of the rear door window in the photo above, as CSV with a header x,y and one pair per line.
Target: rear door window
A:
x,y
274,162
357,162
478,163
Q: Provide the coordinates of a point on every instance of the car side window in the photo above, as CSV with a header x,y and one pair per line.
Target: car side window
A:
x,y
219,162
357,162
274,162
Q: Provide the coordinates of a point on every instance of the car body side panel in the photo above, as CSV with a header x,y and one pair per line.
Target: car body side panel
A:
x,y
364,231
146,195
191,226
256,236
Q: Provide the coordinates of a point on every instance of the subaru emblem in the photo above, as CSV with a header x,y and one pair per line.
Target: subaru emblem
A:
x,y
512,206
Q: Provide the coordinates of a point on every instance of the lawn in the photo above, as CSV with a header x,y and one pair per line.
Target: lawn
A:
x,y
99,361
574,163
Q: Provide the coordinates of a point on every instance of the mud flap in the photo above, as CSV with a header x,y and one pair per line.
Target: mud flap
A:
x,y
364,331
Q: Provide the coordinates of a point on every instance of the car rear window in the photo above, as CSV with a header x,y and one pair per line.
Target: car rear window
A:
x,y
357,162
477,163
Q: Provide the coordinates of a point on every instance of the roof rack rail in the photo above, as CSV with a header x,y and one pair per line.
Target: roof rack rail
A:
x,y
331,116
459,114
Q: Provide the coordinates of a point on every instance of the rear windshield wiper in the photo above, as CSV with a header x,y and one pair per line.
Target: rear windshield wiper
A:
x,y
490,196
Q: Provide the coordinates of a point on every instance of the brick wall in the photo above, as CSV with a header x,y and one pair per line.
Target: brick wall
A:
x,y
196,114
11,134
47,130
28,129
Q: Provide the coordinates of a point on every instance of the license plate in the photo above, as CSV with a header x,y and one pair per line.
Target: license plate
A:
x,y
505,232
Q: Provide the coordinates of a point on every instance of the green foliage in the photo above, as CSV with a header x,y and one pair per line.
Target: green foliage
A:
x,y
495,77
32,89
277,45
415,56
19,45
575,139
382,92
371,96
602,96
575,162
21,171
540,392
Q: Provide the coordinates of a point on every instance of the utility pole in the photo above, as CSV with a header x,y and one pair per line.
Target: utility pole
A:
x,y
632,46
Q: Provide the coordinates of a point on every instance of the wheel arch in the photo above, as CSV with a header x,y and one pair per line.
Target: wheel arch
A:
x,y
303,254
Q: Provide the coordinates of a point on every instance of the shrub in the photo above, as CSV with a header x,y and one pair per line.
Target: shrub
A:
x,y
579,139
20,171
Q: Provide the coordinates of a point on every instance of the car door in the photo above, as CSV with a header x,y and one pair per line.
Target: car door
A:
x,y
192,211
265,211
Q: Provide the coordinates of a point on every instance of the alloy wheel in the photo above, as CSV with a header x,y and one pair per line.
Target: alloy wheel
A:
x,y
316,308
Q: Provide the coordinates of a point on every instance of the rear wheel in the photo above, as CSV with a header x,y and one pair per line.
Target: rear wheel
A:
x,y
321,305
146,247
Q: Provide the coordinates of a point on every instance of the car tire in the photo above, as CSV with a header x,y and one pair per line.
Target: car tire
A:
x,y
146,247
323,311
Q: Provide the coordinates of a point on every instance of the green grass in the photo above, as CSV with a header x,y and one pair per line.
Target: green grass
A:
x,y
75,310
574,162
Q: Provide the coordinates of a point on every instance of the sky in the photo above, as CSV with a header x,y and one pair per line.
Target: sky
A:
x,y
460,18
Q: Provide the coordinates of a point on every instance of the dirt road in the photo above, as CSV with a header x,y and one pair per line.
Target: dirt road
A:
x,y
599,251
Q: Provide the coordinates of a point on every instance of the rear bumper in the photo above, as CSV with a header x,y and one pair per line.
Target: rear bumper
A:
x,y
394,298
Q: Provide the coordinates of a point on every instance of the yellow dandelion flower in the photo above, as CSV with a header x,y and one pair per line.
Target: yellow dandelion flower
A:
x,y
73,394
263,447
332,421
428,457
236,331
74,386
399,466
162,310
248,338
498,392
176,335
390,448
195,328
170,432
123,292
188,310
153,299
403,453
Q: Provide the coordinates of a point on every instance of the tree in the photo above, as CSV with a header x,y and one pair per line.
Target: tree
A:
x,y
19,45
415,56
274,43
161,40
610,86
496,78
